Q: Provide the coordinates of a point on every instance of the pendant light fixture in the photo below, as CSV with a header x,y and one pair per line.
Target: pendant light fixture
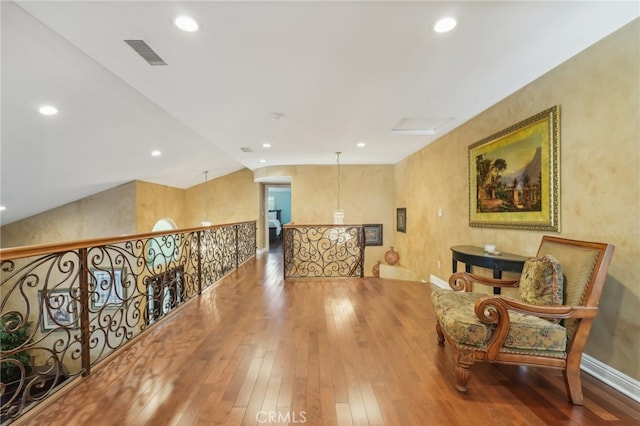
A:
x,y
206,221
338,214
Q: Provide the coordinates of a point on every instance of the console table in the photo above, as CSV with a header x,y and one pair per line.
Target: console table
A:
x,y
472,255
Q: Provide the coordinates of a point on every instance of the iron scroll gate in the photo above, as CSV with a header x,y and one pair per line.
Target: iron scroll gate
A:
x,y
65,308
323,251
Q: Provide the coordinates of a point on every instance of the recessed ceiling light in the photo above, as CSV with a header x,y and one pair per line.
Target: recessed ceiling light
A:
x,y
445,25
361,144
186,23
2,208
263,161
275,115
266,145
156,153
48,110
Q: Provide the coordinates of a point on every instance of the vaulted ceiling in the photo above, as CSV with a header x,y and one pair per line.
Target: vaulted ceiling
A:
x,y
334,74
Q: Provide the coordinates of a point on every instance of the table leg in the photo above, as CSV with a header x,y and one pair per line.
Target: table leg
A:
x,y
497,274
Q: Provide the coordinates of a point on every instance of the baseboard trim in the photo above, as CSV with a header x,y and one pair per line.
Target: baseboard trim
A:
x,y
439,282
612,377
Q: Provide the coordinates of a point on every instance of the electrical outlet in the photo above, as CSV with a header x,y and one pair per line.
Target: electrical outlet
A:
x,y
438,263
440,212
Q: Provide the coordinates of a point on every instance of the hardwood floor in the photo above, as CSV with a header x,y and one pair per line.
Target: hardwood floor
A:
x,y
255,350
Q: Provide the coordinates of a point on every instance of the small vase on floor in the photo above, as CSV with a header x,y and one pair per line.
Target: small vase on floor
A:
x,y
376,269
391,257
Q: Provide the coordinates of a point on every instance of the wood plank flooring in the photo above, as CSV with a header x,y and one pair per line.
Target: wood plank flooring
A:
x,y
255,350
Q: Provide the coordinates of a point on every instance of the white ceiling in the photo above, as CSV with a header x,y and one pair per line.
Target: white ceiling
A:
x,y
339,72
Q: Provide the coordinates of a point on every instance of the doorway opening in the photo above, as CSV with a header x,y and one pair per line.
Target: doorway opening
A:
x,y
278,212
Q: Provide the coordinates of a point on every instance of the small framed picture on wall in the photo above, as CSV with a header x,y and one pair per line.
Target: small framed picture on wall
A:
x,y
401,219
59,309
373,234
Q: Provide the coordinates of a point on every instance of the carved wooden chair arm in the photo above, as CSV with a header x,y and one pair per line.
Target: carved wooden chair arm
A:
x,y
462,281
544,311
495,310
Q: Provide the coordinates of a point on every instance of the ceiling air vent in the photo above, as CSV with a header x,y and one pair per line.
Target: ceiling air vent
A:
x,y
146,52
420,125
246,149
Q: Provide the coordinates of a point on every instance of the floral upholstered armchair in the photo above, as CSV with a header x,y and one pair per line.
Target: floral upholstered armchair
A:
x,y
547,325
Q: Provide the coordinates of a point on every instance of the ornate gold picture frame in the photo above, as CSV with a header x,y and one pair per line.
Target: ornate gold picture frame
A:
x,y
514,176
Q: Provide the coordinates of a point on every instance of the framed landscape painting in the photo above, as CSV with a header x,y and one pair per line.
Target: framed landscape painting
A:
x,y
514,177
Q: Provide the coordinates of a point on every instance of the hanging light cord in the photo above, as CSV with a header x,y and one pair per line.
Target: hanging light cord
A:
x,y
206,198
338,160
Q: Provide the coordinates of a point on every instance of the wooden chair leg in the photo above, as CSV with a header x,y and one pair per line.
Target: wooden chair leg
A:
x,y
440,335
573,384
464,361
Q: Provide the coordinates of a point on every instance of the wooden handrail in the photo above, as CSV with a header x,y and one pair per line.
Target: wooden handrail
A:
x,y
40,249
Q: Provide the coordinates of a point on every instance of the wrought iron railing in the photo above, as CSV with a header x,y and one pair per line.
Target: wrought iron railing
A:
x,y
323,251
66,307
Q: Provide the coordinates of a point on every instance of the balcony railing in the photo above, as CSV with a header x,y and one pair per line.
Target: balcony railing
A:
x,y
323,251
66,307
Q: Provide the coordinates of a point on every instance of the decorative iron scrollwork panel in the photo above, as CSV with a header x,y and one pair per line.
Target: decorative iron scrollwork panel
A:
x,y
246,241
39,328
323,251
64,312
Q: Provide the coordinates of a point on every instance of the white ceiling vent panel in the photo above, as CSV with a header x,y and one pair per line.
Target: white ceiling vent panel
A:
x,y
420,125
146,52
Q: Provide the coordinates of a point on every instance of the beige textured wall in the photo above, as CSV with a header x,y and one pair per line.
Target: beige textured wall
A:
x,y
366,196
106,214
598,93
231,198
135,208
155,202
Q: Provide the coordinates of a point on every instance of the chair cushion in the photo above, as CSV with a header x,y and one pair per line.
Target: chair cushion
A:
x,y
541,282
455,314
